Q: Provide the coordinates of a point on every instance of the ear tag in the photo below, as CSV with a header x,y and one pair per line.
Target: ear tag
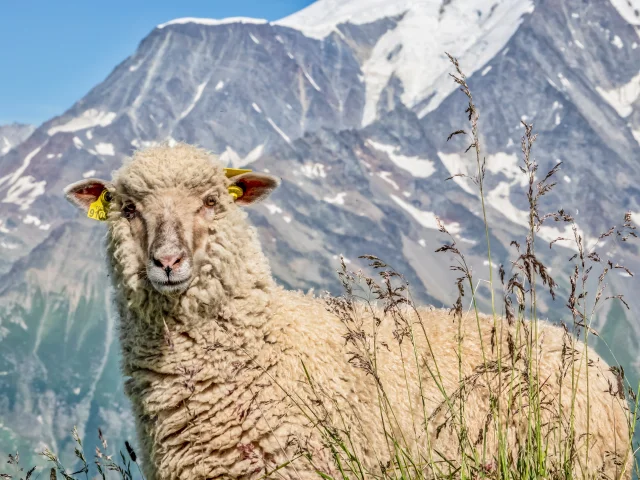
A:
x,y
234,172
99,209
234,190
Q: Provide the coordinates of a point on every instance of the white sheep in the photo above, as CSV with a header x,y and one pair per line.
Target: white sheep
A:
x,y
215,352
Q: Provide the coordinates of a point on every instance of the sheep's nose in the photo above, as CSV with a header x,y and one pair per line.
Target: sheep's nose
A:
x,y
167,263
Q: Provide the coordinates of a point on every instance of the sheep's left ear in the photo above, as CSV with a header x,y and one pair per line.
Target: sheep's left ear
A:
x,y
255,187
85,192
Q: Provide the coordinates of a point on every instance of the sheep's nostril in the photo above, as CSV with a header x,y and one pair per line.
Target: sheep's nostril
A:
x,y
167,262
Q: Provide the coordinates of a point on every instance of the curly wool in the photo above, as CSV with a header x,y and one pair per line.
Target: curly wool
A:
x,y
218,381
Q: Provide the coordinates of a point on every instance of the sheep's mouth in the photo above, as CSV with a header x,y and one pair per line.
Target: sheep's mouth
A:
x,y
172,286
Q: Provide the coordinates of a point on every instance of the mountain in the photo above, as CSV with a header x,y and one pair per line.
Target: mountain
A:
x,y
12,135
350,103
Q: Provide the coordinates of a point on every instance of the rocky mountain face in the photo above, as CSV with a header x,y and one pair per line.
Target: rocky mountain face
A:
x,y
13,134
350,103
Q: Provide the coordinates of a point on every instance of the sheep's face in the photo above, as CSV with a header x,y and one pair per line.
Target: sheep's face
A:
x,y
162,207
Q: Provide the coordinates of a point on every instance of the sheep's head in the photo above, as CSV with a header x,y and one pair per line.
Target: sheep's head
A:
x,y
163,204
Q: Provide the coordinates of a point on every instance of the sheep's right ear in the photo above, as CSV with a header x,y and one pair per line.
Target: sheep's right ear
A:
x,y
84,193
253,187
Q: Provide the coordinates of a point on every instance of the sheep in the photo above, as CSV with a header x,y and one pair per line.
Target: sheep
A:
x,y
224,367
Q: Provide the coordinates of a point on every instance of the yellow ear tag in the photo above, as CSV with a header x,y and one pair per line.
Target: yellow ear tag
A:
x,y
234,190
234,172
99,209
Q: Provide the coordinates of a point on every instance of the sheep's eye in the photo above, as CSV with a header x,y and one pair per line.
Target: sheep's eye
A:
x,y
129,210
210,201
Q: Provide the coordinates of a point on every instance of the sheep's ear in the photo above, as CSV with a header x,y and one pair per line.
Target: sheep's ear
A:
x,y
85,192
255,187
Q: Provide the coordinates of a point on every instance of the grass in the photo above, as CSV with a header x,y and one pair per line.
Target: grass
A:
x,y
548,447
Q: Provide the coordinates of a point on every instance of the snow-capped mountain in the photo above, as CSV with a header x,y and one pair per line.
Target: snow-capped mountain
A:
x,y
13,134
473,31
351,103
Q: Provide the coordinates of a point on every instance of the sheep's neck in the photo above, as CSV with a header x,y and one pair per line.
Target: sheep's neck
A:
x,y
207,366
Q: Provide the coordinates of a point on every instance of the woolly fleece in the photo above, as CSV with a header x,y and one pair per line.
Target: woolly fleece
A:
x,y
216,376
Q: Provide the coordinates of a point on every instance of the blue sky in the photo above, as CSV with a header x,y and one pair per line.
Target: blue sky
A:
x,y
53,52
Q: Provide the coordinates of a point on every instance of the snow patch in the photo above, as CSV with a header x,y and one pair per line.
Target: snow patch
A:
x,y
455,164
193,103
7,146
499,199
78,143
31,220
426,219
230,157
549,234
628,9
416,166
564,81
567,179
105,149
507,164
88,174
88,119
386,176
579,44
617,42
254,39
313,170
213,21
89,134
143,143
622,98
337,200
256,107
277,129
253,155
467,240
311,80
273,208
36,222
486,70
24,192
219,86
14,177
